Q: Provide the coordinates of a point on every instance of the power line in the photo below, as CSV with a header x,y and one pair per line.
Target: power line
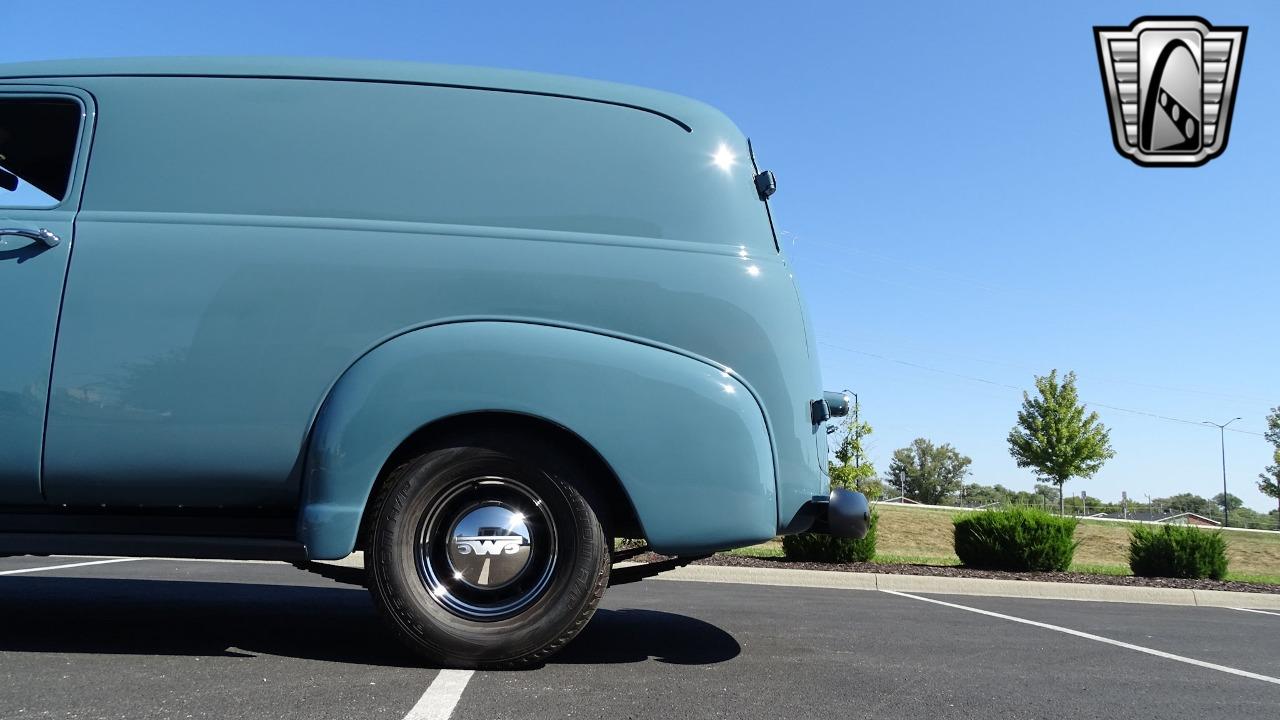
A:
x,y
1166,417
1093,377
916,267
985,381
918,366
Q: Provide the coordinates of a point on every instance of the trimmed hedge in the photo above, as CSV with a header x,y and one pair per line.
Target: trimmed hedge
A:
x,y
1018,539
1177,551
814,547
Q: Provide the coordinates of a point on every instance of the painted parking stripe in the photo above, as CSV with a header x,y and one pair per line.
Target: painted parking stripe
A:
x,y
1260,612
442,696
1097,638
68,565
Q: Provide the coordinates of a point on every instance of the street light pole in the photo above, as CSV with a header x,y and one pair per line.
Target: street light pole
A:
x,y
857,459
1222,441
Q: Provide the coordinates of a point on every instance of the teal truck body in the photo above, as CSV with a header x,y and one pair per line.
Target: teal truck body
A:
x,y
272,279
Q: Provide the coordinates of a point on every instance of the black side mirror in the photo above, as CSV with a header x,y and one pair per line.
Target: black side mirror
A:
x,y
766,184
8,180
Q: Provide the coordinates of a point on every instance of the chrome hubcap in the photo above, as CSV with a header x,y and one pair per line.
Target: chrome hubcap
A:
x,y
488,548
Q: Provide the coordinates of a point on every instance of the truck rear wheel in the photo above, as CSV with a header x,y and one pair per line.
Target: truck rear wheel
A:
x,y
485,553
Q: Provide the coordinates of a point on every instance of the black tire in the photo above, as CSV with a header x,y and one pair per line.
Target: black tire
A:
x,y
448,619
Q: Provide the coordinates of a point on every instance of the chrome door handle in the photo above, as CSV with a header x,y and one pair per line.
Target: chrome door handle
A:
x,y
48,237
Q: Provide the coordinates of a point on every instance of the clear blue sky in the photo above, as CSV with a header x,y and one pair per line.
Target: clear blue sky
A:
x,y
948,191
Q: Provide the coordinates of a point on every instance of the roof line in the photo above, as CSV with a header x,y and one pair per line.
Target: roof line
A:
x,y
456,86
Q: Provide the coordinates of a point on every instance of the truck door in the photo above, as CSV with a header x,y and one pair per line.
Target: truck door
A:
x,y
44,138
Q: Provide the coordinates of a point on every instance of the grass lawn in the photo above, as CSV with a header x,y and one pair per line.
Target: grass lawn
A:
x,y
927,533
773,548
924,536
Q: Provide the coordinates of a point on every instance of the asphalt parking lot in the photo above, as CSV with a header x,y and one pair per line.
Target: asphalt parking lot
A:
x,y
197,639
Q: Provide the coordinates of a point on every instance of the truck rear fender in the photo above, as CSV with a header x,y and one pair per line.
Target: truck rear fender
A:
x,y
686,439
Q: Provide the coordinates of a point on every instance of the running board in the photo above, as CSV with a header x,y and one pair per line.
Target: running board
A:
x,y
173,546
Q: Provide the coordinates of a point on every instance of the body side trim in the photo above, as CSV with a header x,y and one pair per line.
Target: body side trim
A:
x,y
455,86
412,227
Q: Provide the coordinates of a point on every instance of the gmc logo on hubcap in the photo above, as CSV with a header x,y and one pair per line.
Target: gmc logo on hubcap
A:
x,y
489,544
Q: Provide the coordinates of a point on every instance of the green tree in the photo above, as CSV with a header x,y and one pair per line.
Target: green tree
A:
x,y
1055,435
853,469
1043,495
873,489
1076,506
1189,502
1269,480
1232,502
1269,483
1249,518
929,473
977,495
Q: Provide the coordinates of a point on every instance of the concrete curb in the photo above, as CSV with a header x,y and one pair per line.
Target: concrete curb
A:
x,y
971,586
835,580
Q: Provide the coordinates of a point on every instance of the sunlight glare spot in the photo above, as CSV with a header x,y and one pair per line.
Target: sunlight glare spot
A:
x,y
724,158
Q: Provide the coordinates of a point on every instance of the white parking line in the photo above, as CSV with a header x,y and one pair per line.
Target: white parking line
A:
x,y
442,696
68,565
1097,638
1261,612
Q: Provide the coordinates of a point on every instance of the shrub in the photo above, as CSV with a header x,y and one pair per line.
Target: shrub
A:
x,y
816,547
1018,539
1179,551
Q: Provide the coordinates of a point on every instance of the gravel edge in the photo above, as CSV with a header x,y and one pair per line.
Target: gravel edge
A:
x,y
963,572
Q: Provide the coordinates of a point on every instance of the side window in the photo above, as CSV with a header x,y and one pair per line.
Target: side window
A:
x,y
37,150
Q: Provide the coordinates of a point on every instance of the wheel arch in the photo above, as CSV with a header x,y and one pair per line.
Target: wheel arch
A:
x,y
685,440
606,494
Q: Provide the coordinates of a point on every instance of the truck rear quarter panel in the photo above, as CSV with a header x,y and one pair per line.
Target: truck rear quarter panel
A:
x,y
686,439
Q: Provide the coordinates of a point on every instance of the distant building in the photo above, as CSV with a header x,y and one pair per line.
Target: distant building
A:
x,y
900,500
1167,518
